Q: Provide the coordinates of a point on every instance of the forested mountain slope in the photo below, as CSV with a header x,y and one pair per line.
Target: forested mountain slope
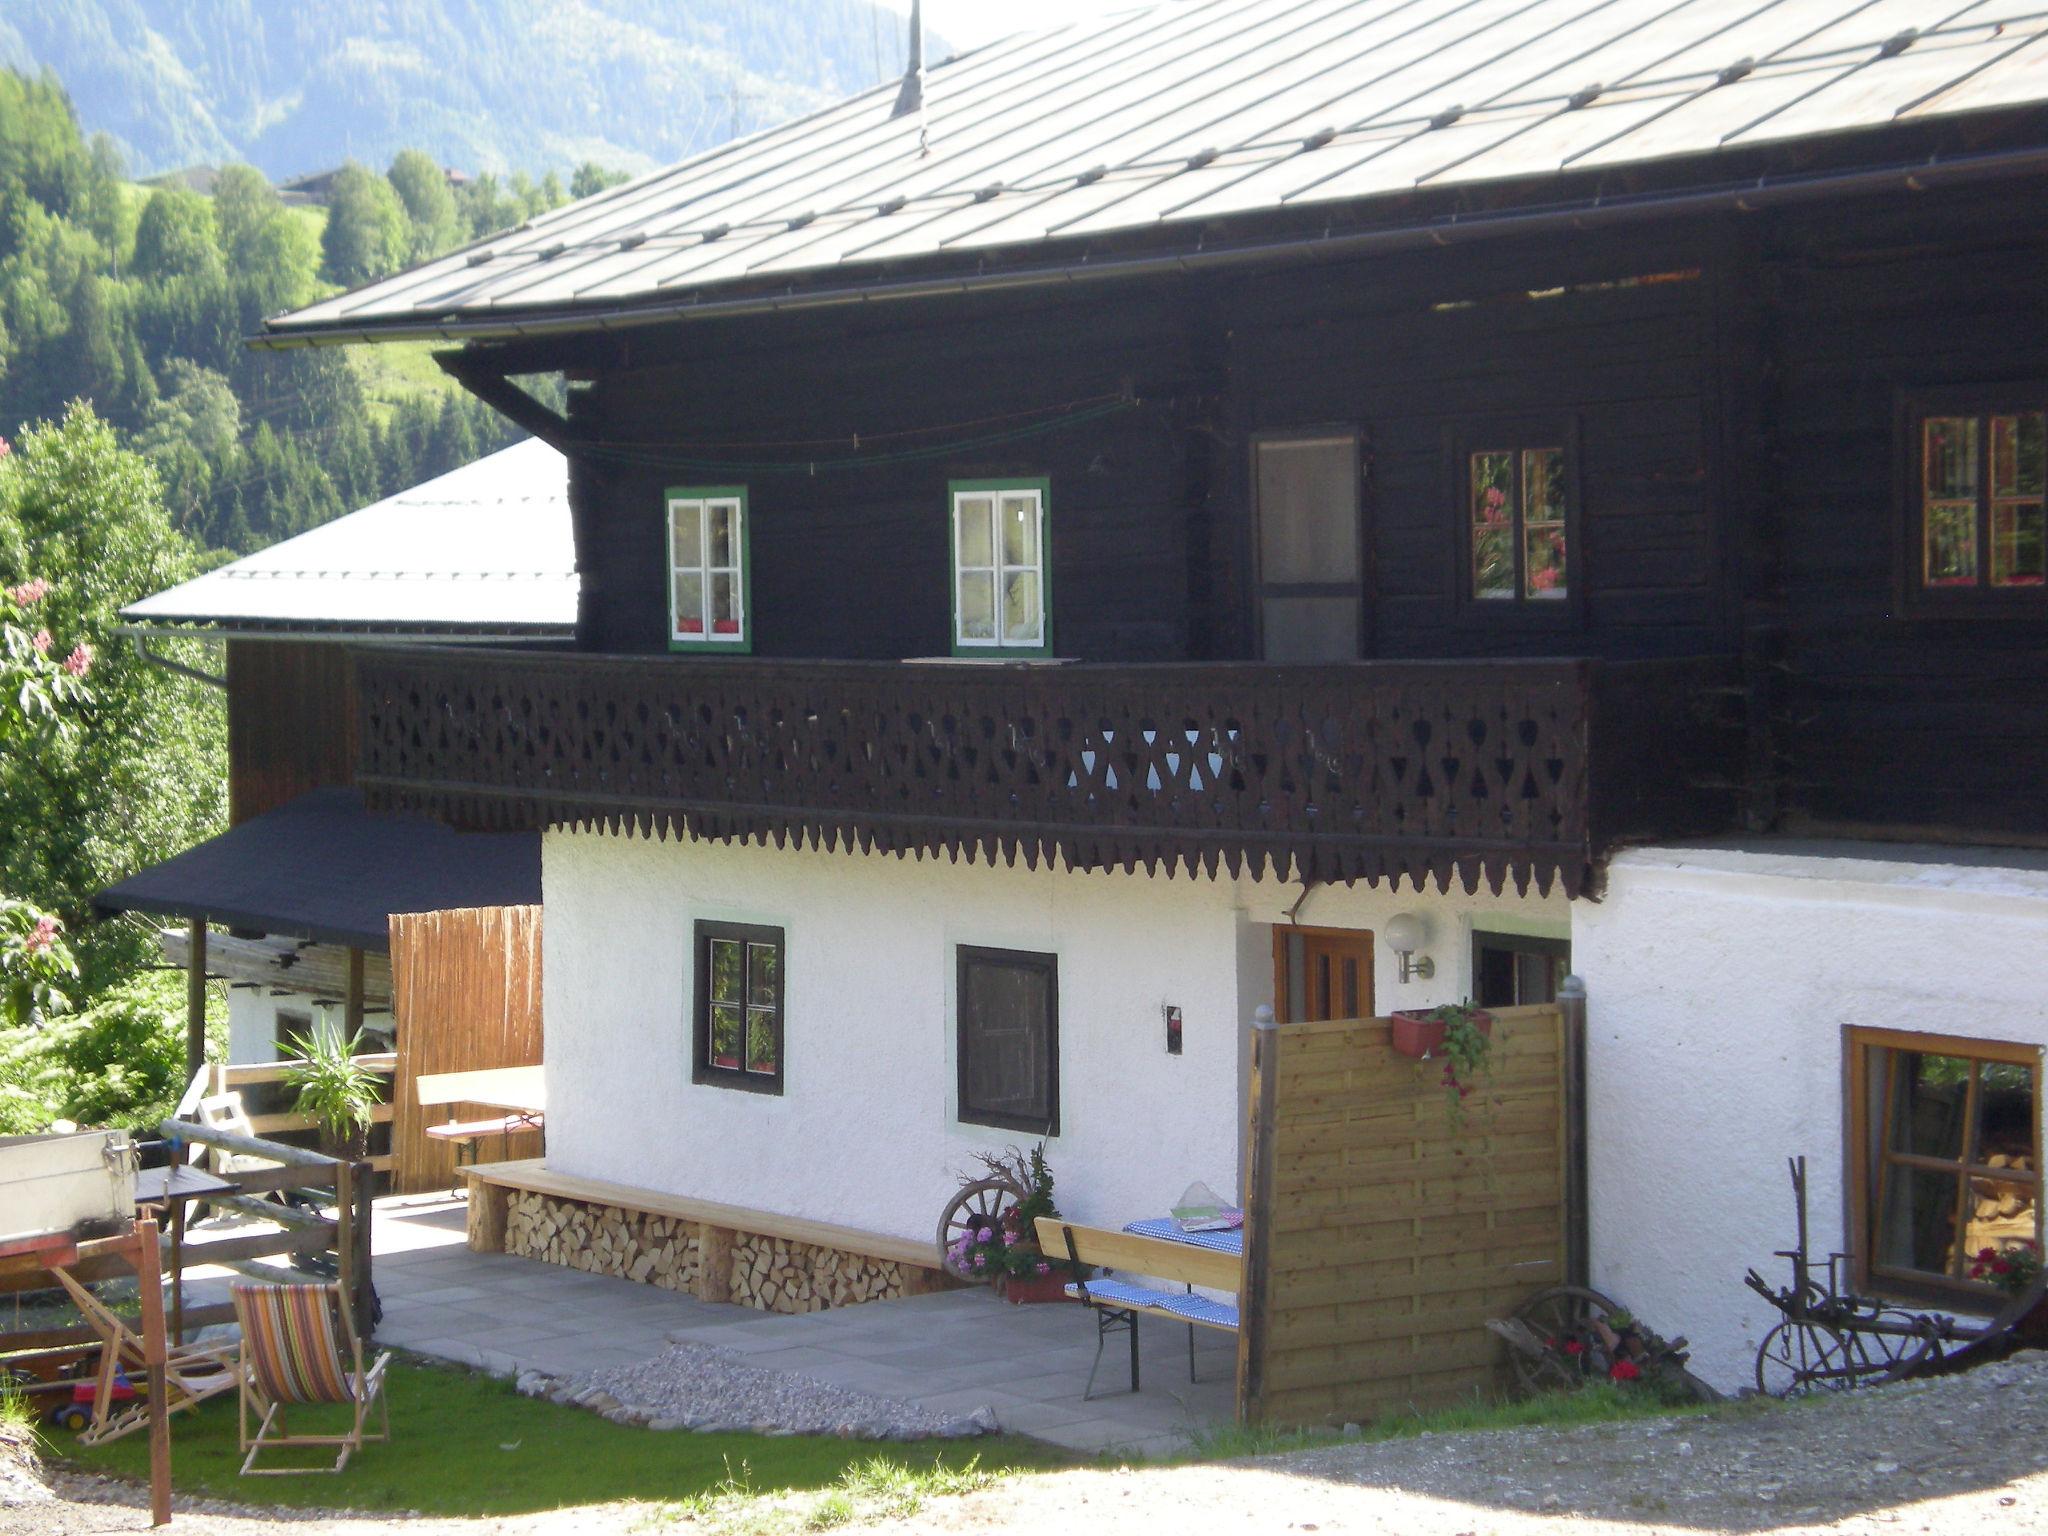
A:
x,y
478,84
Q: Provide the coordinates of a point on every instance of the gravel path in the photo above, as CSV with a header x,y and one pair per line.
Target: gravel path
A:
x,y
1963,1457
714,1391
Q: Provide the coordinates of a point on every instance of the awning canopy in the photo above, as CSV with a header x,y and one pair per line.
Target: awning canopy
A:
x,y
326,868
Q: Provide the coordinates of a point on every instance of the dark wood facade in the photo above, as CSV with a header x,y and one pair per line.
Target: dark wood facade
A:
x,y
291,722
1728,389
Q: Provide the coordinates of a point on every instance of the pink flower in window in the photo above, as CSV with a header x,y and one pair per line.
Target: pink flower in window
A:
x,y
725,626
1544,580
689,626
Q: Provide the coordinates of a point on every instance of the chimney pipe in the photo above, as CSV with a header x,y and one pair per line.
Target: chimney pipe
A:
x,y
911,97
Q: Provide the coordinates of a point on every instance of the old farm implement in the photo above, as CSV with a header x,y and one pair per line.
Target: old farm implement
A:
x,y
1831,1338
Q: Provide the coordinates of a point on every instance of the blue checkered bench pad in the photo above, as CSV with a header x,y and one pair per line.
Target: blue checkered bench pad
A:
x,y
1181,1304
1228,1240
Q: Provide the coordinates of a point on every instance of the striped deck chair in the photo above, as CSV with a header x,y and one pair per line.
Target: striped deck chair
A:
x,y
299,1346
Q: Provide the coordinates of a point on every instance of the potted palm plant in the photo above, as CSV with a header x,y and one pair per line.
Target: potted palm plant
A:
x,y
336,1091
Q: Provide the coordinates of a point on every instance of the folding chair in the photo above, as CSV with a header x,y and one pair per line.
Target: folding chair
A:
x,y
192,1372
299,1346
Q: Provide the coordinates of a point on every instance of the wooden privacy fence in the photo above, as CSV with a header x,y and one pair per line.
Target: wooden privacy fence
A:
x,y
465,993
1382,1232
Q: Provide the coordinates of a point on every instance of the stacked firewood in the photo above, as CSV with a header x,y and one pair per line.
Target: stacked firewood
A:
x,y
778,1275
604,1240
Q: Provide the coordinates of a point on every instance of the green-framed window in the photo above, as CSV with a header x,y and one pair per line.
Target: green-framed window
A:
x,y
1002,591
709,572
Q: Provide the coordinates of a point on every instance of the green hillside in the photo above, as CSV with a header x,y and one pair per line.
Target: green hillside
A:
x,y
480,84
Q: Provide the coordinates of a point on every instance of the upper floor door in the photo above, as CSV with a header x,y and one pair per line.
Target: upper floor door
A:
x,y
1309,547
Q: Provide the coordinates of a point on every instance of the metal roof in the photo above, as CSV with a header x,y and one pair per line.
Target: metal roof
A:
x,y
1174,116
483,550
324,867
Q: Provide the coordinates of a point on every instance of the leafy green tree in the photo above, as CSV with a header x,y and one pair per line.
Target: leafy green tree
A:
x,y
367,233
423,187
175,235
142,776
592,178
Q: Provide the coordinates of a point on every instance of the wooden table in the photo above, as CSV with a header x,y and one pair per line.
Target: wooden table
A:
x,y
24,1258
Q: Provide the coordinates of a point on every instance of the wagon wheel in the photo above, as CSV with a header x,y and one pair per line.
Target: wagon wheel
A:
x,y
1553,1316
980,1204
1886,1357
1798,1357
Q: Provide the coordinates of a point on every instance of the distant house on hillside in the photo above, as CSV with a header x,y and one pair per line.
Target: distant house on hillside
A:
x,y
306,874
315,188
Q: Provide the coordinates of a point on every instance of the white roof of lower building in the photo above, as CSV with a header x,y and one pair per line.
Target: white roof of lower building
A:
x,y
1044,146
483,550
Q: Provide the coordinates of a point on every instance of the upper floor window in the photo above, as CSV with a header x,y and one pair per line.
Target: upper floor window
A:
x,y
1946,1156
1977,513
1517,511
1000,591
708,570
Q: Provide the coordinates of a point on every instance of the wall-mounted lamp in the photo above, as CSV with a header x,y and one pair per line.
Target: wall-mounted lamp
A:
x,y
1405,934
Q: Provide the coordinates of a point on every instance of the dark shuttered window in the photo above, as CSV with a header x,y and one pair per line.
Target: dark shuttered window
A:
x,y
738,1035
1009,1045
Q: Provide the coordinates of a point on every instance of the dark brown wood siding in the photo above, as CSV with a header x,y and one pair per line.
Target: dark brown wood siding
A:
x,y
291,722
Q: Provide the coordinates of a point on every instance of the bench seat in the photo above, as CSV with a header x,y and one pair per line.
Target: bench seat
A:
x,y
1182,1306
474,1130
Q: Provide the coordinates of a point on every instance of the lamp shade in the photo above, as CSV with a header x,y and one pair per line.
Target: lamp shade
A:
x,y
1404,933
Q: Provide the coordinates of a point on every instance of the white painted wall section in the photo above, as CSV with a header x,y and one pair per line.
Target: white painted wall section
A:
x,y
1720,981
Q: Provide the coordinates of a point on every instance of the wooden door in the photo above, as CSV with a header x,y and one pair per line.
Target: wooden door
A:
x,y
1321,973
1310,548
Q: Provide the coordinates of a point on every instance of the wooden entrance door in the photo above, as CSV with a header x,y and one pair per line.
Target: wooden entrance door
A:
x,y
1321,973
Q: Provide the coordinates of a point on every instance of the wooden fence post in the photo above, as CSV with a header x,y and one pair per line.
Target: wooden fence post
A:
x,y
1253,1300
365,1180
195,999
1578,1251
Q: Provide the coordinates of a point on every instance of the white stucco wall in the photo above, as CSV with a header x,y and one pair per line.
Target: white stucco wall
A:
x,y
864,1132
254,1033
1719,983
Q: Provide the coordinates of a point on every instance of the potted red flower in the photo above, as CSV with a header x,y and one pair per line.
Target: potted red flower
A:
x,y
1424,1032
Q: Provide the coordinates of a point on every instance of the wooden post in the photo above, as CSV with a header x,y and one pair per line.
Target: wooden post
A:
x,y
352,1000
195,999
366,1189
714,1263
149,1280
1578,1250
1252,1299
345,1230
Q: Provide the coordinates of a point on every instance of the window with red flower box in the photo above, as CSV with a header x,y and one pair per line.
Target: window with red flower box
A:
x,y
1976,496
708,570
1945,1158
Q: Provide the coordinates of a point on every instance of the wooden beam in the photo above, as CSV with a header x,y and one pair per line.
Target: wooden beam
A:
x,y
506,398
195,998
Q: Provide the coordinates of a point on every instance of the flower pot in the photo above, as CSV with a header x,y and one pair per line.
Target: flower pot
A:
x,y
1417,1034
1026,1290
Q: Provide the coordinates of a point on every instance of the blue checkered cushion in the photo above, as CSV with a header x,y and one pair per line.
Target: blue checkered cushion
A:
x,y
1195,1309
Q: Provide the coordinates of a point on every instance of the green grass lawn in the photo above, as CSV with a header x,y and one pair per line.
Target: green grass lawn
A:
x,y
463,1443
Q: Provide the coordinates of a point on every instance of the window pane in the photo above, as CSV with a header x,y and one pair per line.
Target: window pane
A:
x,y
725,1036
1543,551
1006,1039
764,975
1308,512
725,603
724,520
975,544
1021,612
1020,530
1952,544
1310,628
689,601
1493,525
1543,485
761,1040
1951,458
687,531
2017,451
1918,1225
726,981
2019,544
1929,1095
1543,560
977,605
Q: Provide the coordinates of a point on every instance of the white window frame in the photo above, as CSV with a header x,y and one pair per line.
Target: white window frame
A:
x,y
701,501
995,492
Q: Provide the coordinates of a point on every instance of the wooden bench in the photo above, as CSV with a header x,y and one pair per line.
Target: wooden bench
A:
x,y
520,1090
1118,1304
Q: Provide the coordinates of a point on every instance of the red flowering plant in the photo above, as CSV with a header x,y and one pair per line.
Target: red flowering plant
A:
x,y
2013,1268
1008,1244
1620,1349
36,687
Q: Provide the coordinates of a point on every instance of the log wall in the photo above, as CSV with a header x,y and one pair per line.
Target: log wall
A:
x,y
465,990
1394,1231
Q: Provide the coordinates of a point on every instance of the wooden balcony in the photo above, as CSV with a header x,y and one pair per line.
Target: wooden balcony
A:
x,y
1522,771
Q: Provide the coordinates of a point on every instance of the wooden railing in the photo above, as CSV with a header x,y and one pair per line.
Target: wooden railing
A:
x,y
1372,770
219,1077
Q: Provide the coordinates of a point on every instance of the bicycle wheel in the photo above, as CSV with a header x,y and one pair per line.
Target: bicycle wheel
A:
x,y
1796,1358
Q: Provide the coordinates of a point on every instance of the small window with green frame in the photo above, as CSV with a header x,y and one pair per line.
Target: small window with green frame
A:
x,y
710,574
1001,588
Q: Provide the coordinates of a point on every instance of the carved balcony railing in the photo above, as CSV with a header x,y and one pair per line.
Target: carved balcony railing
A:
x,y
1530,771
